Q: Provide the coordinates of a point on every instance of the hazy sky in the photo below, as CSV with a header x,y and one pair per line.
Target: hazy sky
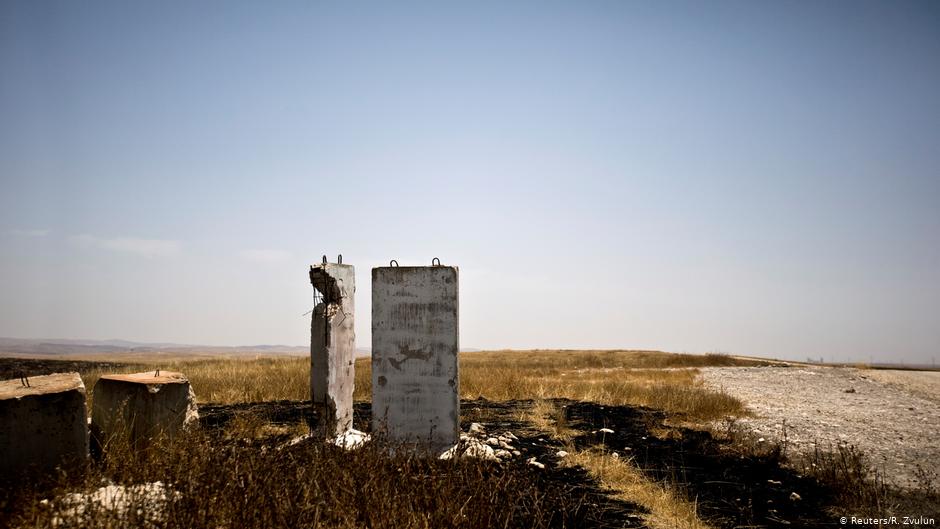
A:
x,y
748,177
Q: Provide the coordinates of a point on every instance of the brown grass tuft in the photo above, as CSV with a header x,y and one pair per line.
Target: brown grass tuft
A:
x,y
667,510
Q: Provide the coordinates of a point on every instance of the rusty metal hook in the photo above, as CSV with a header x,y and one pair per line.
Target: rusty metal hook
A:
x,y
435,262
393,263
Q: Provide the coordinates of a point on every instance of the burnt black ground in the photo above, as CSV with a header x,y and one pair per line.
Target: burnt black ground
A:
x,y
730,489
597,508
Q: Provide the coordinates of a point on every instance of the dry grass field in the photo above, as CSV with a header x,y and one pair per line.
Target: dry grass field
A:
x,y
237,477
642,378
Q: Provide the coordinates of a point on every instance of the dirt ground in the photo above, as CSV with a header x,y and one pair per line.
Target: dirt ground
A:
x,y
892,417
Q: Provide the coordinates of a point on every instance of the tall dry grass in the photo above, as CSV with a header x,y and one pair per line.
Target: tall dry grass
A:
x,y
207,483
646,378
230,380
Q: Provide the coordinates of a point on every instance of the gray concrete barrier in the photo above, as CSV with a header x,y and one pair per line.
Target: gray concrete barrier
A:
x,y
415,340
141,406
43,423
333,345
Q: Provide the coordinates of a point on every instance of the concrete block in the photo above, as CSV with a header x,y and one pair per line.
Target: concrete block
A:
x,y
333,345
415,339
43,425
142,406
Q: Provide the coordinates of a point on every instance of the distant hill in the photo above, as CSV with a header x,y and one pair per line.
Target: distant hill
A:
x,y
63,347
76,347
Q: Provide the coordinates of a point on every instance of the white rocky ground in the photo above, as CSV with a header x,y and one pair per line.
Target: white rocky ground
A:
x,y
893,417
477,444
147,500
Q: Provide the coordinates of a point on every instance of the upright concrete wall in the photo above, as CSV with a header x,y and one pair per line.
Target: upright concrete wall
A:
x,y
415,341
141,406
43,425
333,345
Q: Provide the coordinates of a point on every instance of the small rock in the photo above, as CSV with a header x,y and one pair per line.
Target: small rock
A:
x,y
516,453
505,445
795,497
615,455
147,499
534,463
561,453
473,449
774,482
351,439
605,430
477,428
761,440
492,441
850,390
502,454
511,436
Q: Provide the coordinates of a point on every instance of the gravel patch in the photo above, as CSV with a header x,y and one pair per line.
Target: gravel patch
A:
x,y
897,428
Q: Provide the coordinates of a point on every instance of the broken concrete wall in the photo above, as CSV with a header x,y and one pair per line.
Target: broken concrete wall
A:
x,y
415,339
141,406
333,345
42,425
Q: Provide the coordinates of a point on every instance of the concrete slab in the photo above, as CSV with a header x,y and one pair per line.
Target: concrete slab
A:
x,y
141,406
333,345
43,425
415,339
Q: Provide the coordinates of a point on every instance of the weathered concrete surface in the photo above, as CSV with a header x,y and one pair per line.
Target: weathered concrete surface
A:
x,y
141,406
43,425
333,345
415,340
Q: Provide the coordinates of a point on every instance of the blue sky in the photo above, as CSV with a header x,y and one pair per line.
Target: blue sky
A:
x,y
747,177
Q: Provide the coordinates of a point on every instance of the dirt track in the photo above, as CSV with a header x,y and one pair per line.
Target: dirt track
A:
x,y
893,417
